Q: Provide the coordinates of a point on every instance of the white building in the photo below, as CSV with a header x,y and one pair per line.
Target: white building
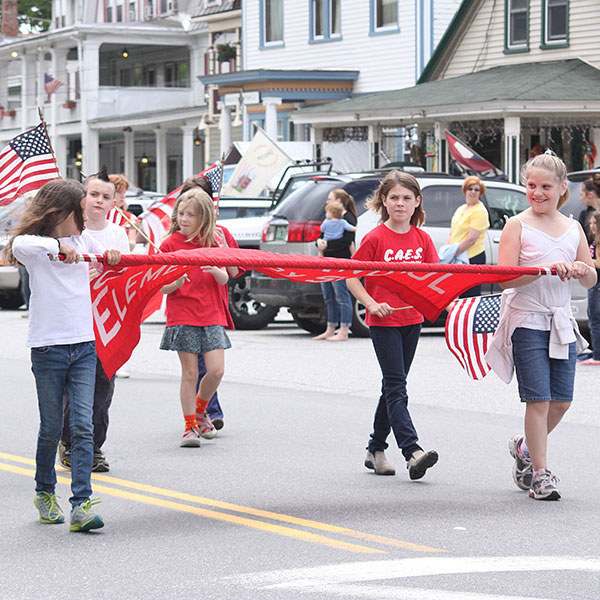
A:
x,y
131,95
299,54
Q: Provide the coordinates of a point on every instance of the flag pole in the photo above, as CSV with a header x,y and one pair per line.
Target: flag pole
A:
x,y
134,225
48,138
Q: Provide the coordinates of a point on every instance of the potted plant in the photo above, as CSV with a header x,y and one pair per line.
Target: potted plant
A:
x,y
69,104
225,52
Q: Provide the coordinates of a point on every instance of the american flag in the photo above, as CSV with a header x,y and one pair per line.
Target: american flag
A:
x,y
470,325
51,84
26,163
155,222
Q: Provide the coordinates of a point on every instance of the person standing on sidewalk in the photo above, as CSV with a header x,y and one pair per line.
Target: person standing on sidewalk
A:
x,y
394,327
593,307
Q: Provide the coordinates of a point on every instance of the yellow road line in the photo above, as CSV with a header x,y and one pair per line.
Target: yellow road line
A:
x,y
247,510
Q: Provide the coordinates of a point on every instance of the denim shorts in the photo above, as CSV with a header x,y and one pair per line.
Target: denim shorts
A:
x,y
541,378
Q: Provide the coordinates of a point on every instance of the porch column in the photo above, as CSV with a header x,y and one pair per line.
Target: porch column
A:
x,y
270,105
595,135
60,151
40,69
512,148
441,147
4,84
316,139
88,55
374,158
27,87
129,155
90,149
187,140
225,127
161,160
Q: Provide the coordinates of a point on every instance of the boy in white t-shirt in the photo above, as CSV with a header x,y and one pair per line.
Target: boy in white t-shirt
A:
x,y
99,200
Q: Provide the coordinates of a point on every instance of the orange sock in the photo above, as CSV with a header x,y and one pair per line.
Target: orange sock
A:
x,y
200,405
190,421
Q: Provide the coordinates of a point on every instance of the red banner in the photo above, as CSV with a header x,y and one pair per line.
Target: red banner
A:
x,y
119,297
120,294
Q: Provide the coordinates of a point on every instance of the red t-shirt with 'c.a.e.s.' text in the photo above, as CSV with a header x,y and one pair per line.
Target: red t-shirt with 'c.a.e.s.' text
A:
x,y
385,245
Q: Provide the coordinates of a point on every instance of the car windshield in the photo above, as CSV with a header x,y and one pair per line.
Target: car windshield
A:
x,y
308,202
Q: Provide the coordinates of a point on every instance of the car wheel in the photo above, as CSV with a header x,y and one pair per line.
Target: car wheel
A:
x,y
359,313
11,301
316,325
246,312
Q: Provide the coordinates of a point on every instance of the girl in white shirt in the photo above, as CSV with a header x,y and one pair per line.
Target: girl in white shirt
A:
x,y
61,338
537,333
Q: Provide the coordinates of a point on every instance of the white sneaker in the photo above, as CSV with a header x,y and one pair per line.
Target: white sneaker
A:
x,y
190,438
122,374
205,427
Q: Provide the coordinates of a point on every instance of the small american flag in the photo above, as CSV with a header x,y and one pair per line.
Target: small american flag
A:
x,y
213,174
51,85
470,325
26,164
155,222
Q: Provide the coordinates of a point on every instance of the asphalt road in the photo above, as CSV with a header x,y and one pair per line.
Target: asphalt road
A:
x,y
279,506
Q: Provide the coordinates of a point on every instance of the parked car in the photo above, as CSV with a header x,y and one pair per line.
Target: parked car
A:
x,y
245,218
295,225
11,296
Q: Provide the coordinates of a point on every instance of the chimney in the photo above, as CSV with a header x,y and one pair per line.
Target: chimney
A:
x,y
10,20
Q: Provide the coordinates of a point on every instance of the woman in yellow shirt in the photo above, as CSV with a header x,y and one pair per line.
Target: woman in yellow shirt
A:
x,y
469,225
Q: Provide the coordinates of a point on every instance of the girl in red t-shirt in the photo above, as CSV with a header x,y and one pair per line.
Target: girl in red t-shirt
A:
x,y
394,326
197,310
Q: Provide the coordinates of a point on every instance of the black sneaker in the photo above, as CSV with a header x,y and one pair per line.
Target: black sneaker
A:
x,y
64,455
100,464
218,423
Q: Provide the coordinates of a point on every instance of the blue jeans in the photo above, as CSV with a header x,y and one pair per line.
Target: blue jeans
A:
x,y
541,378
213,410
594,319
338,301
70,368
395,349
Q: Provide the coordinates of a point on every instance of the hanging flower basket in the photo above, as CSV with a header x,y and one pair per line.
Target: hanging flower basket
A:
x,y
225,52
69,104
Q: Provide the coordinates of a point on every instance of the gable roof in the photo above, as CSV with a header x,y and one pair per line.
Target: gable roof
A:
x,y
456,29
571,80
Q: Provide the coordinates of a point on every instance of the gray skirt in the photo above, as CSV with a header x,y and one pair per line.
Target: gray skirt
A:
x,y
193,339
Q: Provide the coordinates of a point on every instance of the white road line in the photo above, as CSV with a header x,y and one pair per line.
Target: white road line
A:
x,y
394,593
337,577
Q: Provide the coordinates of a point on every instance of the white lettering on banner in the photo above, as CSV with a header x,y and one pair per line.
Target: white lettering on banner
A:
x,y
122,311
100,320
149,275
128,294
110,274
432,285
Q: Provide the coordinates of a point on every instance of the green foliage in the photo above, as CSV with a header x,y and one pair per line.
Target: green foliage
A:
x,y
225,52
34,15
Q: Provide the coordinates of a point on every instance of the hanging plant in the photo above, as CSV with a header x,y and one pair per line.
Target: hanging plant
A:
x,y
225,52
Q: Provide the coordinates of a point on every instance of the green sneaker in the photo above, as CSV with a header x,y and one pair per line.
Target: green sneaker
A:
x,y
50,512
83,518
